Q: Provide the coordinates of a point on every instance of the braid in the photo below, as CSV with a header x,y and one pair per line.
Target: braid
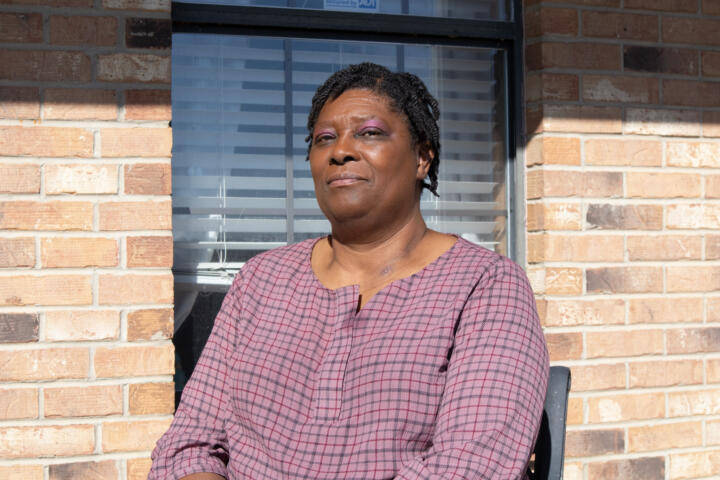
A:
x,y
406,93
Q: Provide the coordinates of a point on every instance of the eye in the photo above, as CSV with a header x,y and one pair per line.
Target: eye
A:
x,y
370,132
322,137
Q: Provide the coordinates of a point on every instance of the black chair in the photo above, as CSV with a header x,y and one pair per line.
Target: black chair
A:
x,y
550,445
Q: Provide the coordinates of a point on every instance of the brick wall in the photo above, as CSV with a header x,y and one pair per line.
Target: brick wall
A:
x,y
85,247
623,182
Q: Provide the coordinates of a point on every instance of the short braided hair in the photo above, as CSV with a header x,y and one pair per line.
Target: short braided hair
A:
x,y
407,94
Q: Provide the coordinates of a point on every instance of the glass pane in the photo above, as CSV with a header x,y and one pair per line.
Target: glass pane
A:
x,y
469,9
241,184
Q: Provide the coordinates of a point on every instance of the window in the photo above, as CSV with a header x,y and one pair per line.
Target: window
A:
x,y
243,79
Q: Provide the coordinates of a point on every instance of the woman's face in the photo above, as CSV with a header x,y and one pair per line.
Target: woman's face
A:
x,y
363,161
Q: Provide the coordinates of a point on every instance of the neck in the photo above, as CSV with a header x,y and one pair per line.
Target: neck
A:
x,y
376,253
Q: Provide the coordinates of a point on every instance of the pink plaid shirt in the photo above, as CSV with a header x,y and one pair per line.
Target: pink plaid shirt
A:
x,y
441,375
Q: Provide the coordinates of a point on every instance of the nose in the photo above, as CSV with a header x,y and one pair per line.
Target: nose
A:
x,y
344,150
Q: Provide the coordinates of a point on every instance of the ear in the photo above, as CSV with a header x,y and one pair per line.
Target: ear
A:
x,y
425,157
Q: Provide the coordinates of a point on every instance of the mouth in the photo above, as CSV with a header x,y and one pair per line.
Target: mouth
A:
x,y
344,179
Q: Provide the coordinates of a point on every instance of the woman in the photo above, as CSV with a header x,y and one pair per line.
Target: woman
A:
x,y
383,351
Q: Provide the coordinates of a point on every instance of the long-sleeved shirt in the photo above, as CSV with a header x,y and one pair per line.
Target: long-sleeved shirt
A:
x,y
441,375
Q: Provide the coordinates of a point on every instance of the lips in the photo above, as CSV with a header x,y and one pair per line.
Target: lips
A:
x,y
343,179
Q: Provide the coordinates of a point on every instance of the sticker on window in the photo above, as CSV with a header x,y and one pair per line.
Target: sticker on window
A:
x,y
353,5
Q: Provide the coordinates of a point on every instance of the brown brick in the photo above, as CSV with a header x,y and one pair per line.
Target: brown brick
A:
x,y
135,215
644,153
136,142
133,435
598,377
710,7
693,278
45,364
692,216
554,216
45,66
29,215
663,185
45,142
624,280
584,312
624,217
694,31
694,465
693,340
590,443
18,327
553,150
573,471
713,370
602,88
135,289
134,361
566,248
54,4
713,309
682,61
564,346
21,27
150,324
663,5
619,25
554,21
559,183
105,470
665,373
712,186
574,119
664,247
660,437
88,401
17,404
563,281
711,124
696,402
19,103
149,5
67,325
148,33
83,30
693,154
22,472
713,432
79,252
711,64
47,441
584,56
80,104
81,179
649,468
621,408
126,67
149,251
45,290
148,179
152,398
691,93
551,86
624,343
16,178
138,468
679,123
17,252
712,247
147,105
575,411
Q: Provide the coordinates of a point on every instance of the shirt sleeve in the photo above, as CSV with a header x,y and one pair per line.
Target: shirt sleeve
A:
x,y
495,389
196,440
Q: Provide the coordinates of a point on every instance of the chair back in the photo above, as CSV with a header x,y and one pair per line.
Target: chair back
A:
x,y
550,445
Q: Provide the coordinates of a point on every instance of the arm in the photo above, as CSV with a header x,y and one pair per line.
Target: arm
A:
x,y
196,440
495,389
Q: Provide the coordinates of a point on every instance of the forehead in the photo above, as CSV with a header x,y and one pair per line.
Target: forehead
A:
x,y
360,103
